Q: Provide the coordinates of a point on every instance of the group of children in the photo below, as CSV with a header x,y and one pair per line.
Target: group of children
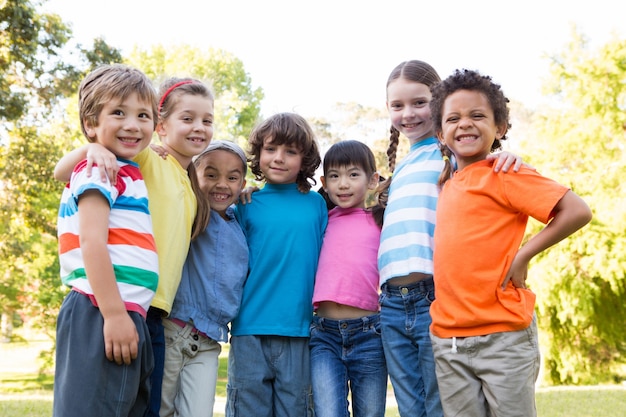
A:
x,y
325,299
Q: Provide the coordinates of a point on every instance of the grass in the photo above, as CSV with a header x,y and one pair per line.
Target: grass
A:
x,y
25,393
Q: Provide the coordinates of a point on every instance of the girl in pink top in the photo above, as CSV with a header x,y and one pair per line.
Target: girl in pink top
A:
x,y
346,348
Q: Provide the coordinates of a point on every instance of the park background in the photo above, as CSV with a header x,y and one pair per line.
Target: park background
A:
x,y
562,64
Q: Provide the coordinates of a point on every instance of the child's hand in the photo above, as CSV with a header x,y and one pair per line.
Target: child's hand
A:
x,y
105,160
120,339
246,194
160,150
517,274
504,160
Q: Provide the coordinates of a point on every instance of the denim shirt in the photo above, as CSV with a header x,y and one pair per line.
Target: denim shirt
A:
x,y
209,294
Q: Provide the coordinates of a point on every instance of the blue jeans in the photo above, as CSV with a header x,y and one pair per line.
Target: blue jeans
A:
x,y
348,355
405,321
269,376
154,320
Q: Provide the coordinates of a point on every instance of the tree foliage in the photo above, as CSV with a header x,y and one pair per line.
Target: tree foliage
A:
x,y
34,63
38,71
581,282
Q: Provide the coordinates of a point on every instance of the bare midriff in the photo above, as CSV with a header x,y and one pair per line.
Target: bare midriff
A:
x,y
335,311
412,278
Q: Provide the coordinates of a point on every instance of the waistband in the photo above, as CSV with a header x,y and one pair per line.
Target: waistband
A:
x,y
424,285
362,323
184,324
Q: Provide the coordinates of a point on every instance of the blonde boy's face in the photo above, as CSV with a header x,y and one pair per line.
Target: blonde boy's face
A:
x,y
221,177
124,127
280,164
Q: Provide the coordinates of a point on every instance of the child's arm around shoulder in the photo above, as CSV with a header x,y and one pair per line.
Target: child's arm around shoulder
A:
x,y
570,214
120,334
95,154
505,160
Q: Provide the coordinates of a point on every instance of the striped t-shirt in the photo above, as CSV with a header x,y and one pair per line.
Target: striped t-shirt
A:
x,y
406,241
130,243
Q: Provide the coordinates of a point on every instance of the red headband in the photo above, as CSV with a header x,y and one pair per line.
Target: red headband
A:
x,y
169,90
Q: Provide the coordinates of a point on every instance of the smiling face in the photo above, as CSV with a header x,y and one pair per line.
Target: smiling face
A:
x,y
188,128
409,112
280,164
347,186
468,126
124,127
222,177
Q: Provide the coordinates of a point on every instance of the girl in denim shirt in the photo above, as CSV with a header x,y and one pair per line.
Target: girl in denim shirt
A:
x,y
209,293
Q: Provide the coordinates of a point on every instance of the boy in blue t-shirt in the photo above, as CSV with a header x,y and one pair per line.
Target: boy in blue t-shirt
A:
x,y
269,370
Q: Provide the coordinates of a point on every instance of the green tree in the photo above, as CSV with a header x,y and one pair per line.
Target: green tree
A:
x,y
35,65
38,70
578,139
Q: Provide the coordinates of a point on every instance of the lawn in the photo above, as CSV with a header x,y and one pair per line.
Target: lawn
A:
x,y
24,393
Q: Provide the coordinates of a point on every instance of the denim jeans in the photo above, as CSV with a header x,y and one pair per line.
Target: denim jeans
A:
x,y
269,376
347,355
190,372
154,320
405,321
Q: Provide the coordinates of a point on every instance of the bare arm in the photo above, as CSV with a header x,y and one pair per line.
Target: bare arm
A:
x,y
120,334
246,194
570,214
95,154
505,160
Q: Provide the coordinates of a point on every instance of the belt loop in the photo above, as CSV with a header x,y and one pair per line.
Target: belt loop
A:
x,y
187,330
366,323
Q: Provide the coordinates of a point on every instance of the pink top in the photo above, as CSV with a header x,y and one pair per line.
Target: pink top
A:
x,y
347,271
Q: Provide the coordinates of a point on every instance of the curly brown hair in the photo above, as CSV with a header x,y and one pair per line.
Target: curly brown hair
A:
x,y
468,80
286,129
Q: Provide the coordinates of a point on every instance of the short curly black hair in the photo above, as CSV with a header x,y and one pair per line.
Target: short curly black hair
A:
x,y
471,80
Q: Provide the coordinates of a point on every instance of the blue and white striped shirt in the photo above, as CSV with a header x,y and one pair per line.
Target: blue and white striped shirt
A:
x,y
406,241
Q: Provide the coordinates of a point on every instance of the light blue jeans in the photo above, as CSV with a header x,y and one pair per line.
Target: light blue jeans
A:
x,y
347,355
269,376
405,321
190,372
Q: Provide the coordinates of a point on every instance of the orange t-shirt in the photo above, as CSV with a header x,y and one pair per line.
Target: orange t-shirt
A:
x,y
481,221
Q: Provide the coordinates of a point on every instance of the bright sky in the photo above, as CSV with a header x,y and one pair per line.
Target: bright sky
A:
x,y
309,55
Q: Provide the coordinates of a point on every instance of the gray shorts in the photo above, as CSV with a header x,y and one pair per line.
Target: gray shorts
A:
x,y
490,375
85,381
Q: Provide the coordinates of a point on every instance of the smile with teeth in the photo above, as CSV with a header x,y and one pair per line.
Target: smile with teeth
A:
x,y
466,138
130,140
196,139
410,125
220,196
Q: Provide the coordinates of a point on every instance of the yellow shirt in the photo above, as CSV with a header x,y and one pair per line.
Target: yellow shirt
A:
x,y
173,208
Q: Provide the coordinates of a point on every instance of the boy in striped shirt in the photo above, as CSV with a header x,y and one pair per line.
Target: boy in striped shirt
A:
x,y
107,256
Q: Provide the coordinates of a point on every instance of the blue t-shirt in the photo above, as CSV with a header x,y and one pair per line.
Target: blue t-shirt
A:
x,y
284,229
